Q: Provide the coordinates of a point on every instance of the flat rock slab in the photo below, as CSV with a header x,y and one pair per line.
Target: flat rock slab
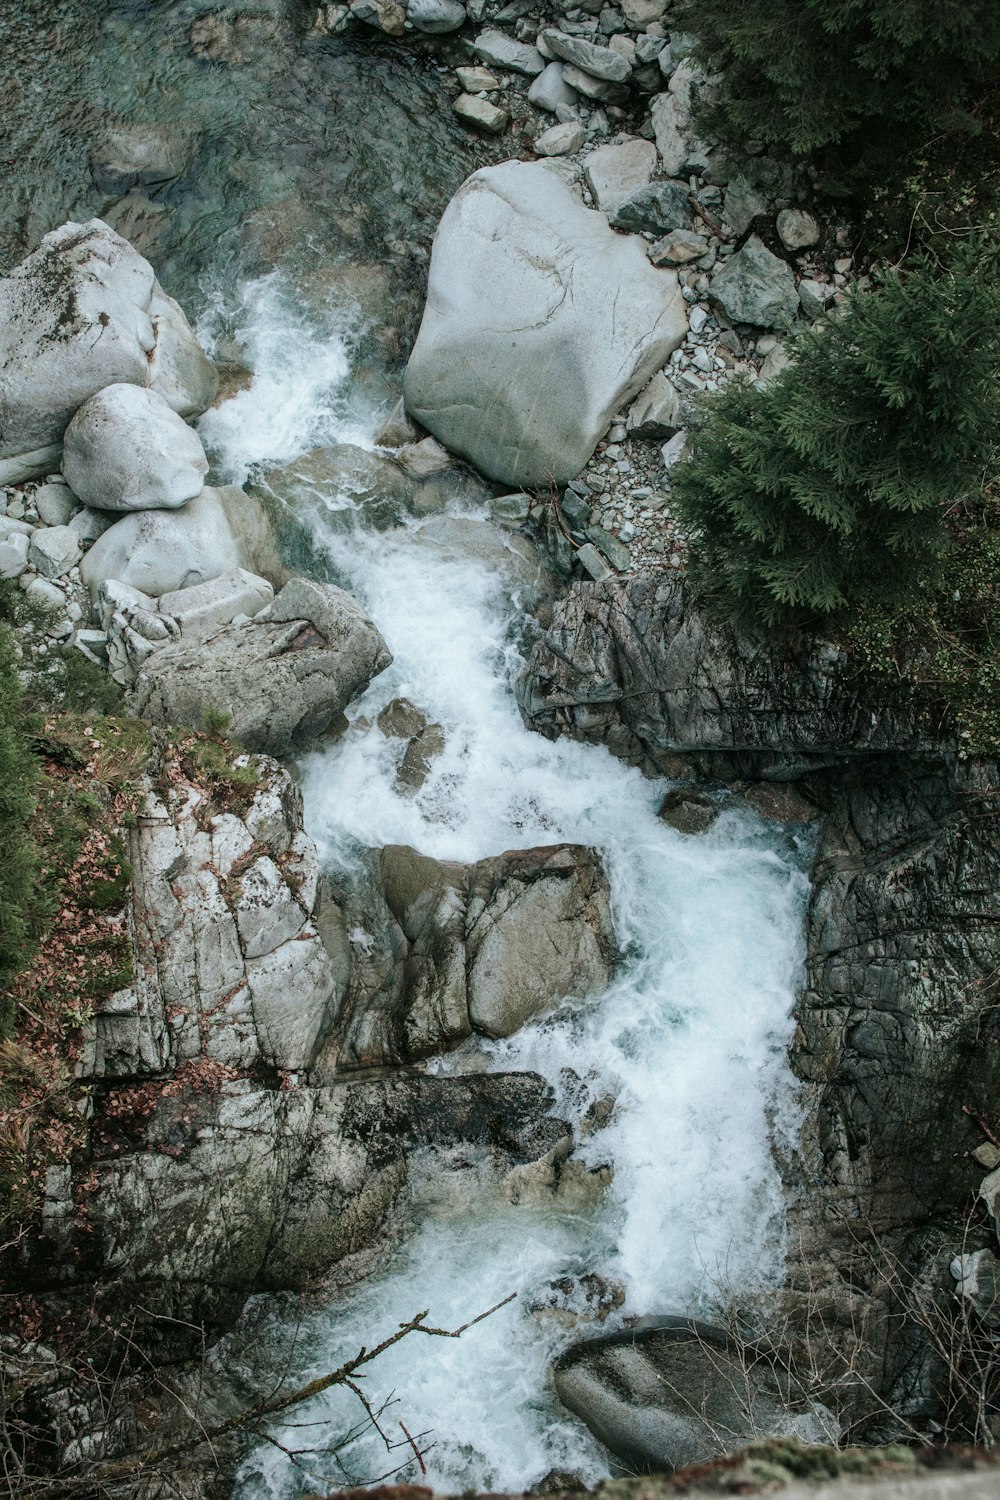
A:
x,y
540,323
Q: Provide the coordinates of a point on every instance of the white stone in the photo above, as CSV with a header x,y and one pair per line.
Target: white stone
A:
x,y
550,89
159,551
435,16
204,607
612,172
476,80
13,554
476,110
56,504
126,449
54,550
560,140
43,591
540,324
76,316
494,47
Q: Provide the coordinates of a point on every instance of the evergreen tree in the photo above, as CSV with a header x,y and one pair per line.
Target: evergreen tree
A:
x,y
804,74
827,487
17,863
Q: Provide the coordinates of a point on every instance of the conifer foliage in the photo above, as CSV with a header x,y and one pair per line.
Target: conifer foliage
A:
x,y
804,74
828,487
17,862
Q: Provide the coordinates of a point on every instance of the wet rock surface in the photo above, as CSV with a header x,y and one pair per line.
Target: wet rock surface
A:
x,y
680,1394
629,663
485,947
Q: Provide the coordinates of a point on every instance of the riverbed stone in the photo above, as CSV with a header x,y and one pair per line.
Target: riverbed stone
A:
x,y
283,677
476,81
550,89
656,411
560,140
13,554
503,52
159,551
127,450
435,17
598,62
756,286
655,208
524,282
614,172
54,550
681,151
475,110
55,503
797,229
201,609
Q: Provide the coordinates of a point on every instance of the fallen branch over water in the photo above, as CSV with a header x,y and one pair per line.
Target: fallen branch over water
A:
x,y
97,1476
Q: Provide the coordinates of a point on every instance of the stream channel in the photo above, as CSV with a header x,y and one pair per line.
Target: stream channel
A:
x,y
298,239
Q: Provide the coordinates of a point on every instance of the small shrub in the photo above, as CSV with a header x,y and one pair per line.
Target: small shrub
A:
x,y
216,721
827,489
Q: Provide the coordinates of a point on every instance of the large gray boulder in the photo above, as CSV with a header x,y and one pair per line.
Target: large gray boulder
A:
x,y
540,323
756,286
125,449
538,928
82,312
159,551
283,677
486,947
684,1393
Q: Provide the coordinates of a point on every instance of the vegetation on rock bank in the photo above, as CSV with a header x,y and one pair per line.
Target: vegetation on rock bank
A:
x,y
857,488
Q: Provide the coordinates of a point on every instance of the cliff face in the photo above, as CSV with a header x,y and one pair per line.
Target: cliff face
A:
x,y
897,1041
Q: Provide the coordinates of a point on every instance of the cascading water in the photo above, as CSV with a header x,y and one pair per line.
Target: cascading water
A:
x,y
689,1041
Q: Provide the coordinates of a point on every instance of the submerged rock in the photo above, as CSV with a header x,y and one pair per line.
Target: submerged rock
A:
x,y
540,323
283,677
683,1393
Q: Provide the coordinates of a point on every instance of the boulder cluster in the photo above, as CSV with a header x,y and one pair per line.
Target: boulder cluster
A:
x,y
541,327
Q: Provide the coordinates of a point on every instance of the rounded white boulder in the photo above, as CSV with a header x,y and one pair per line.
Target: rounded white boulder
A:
x,y
127,450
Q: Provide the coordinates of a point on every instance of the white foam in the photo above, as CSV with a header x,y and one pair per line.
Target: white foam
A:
x,y
691,1038
299,398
